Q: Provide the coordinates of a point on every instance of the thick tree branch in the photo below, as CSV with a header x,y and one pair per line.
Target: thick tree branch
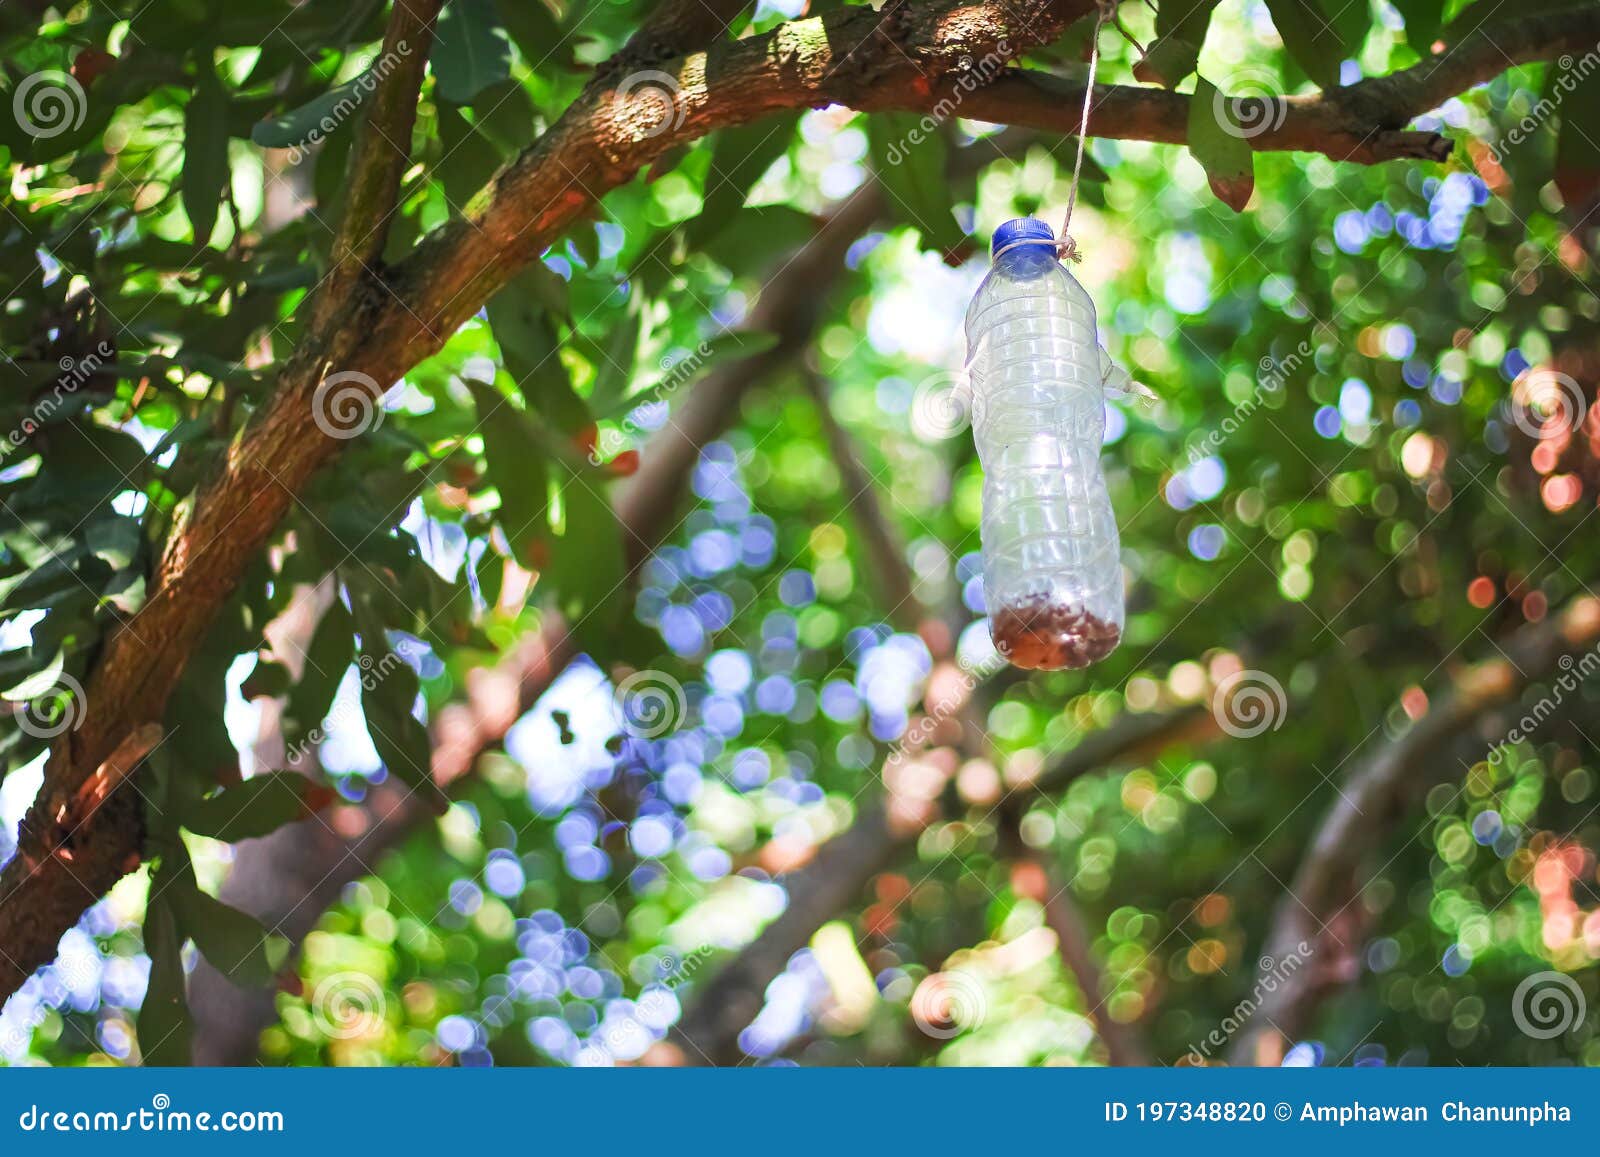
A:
x,y
1364,122
1361,818
215,535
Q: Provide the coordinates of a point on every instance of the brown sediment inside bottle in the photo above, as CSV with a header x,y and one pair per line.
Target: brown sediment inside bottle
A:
x,y
1044,635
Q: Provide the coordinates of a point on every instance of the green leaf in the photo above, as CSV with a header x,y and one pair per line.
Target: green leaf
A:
x,y
1423,18
259,805
909,153
316,119
55,583
26,673
531,25
165,1028
1312,39
518,469
759,235
205,150
1352,21
741,155
587,571
674,372
35,680
1577,172
504,114
234,943
469,157
1218,142
116,541
615,359
388,693
520,317
471,50
1180,33
326,661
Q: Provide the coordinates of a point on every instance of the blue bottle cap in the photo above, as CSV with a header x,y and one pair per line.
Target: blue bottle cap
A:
x,y
1024,230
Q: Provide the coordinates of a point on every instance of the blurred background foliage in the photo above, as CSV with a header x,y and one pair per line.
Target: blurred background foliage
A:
x,y
1332,488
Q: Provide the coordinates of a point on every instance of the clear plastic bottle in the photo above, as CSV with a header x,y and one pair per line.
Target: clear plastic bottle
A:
x,y
1052,573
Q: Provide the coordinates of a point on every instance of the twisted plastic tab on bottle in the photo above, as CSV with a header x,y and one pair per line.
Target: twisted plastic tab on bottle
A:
x,y
1052,573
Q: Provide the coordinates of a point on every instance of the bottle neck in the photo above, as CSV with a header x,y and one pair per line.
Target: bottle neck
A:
x,y
1026,262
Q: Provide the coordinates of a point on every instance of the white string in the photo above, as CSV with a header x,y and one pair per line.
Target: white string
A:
x,y
1067,248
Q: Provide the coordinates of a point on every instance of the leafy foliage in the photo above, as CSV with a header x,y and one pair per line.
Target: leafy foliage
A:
x,y
1337,487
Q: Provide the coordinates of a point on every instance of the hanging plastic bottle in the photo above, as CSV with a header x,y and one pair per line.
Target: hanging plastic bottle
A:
x,y
1052,573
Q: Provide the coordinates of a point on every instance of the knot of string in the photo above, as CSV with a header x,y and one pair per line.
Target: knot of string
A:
x,y
1105,13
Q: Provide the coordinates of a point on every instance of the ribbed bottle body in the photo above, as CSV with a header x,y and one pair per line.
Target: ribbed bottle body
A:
x,y
1051,556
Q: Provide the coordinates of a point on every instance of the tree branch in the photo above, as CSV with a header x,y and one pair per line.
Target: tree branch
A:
x,y
1360,818
876,530
790,307
1033,876
383,147
709,1031
288,879
214,537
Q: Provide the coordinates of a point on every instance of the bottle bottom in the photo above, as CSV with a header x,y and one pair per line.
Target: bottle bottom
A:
x,y
1043,635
